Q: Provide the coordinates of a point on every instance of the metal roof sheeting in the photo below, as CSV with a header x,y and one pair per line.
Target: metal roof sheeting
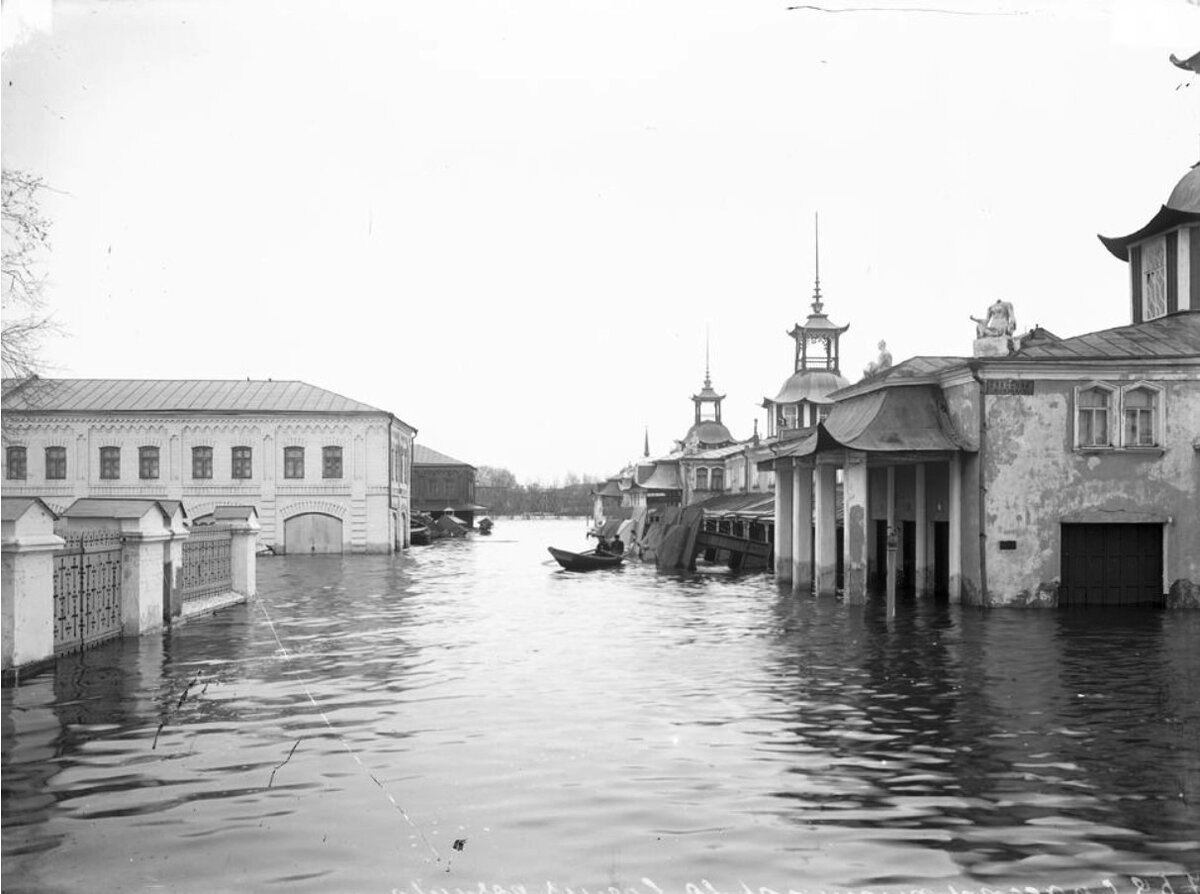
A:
x,y
176,395
101,507
708,431
12,508
1174,336
757,505
894,420
910,371
234,513
424,456
663,476
716,452
814,385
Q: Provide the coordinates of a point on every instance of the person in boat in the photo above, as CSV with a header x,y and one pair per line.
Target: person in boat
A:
x,y
602,547
617,547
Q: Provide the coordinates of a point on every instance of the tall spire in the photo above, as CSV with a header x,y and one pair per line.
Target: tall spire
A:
x,y
707,376
816,302
646,449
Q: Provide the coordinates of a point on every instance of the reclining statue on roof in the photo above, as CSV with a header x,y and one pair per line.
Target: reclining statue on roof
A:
x,y
1000,321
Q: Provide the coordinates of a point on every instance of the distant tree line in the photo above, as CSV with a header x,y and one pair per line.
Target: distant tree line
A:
x,y
498,490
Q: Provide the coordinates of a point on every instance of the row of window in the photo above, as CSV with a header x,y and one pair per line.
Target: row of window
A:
x,y
795,415
1107,416
241,463
56,463
710,480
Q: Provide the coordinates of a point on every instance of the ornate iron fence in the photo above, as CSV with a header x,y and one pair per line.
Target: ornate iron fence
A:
x,y
207,565
87,590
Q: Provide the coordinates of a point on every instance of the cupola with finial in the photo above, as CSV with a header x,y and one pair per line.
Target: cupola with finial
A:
x,y
707,430
816,373
1164,255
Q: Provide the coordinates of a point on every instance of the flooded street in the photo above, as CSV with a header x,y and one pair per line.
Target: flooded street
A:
x,y
366,714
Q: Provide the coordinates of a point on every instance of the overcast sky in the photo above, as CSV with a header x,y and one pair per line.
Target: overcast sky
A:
x,y
511,223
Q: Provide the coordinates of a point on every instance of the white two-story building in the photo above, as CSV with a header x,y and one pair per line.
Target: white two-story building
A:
x,y
325,473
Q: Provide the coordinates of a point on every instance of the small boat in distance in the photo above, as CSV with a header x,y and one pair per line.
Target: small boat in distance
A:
x,y
588,561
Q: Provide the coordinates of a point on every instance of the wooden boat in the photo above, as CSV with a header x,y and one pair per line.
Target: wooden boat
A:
x,y
588,561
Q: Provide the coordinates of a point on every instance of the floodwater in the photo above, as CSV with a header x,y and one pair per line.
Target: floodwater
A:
x,y
466,715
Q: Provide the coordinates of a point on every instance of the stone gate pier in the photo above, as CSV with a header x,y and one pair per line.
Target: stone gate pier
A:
x,y
113,567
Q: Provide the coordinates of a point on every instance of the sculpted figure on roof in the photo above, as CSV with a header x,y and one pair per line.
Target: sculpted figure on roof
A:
x,y
884,361
999,321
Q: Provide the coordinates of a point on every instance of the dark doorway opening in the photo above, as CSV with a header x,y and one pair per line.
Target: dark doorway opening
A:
x,y
1111,565
941,560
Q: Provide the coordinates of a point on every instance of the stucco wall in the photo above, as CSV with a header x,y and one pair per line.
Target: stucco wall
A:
x,y
1035,479
364,497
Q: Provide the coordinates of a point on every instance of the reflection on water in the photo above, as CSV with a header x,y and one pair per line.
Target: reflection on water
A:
x,y
343,731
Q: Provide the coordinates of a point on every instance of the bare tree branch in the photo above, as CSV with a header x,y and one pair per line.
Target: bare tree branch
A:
x,y
26,238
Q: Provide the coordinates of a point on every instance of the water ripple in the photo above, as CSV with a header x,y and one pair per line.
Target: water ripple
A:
x,y
599,729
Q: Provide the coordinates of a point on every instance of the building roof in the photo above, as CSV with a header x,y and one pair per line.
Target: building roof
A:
x,y
175,395
913,371
1174,336
1186,194
661,476
709,433
713,453
813,385
234,513
755,504
1182,207
610,488
172,506
909,419
102,507
443,504
426,456
12,508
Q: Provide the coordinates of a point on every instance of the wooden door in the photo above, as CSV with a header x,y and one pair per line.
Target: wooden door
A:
x,y
312,533
1111,564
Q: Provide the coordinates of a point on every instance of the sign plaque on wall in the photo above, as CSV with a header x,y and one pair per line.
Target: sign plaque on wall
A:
x,y
1008,386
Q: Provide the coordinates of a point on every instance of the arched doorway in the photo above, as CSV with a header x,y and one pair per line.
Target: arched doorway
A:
x,y
311,533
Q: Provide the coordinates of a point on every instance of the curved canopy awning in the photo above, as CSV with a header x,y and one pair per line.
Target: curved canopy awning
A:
x,y
1167,218
909,419
664,476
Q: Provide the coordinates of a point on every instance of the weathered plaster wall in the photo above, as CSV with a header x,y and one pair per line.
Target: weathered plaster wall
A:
x,y
1035,479
963,401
